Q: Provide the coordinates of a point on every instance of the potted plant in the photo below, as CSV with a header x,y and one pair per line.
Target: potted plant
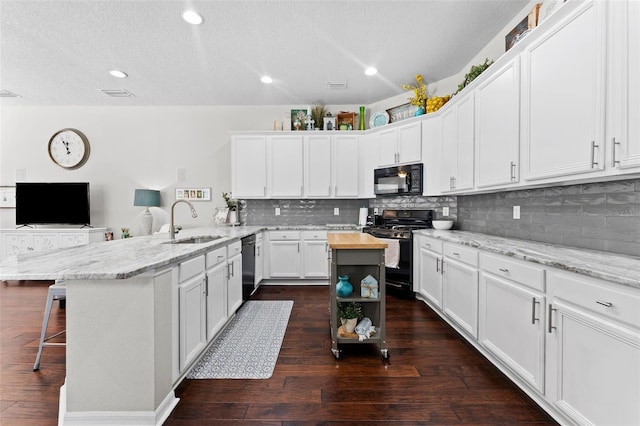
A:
x,y
232,205
349,314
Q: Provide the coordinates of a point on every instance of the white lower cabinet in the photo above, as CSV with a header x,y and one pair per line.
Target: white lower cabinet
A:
x,y
315,254
192,310
259,260
234,277
284,254
216,291
593,350
460,286
428,269
511,316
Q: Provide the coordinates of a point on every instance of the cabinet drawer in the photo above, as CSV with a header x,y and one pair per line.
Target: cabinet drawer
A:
x,y
314,235
284,235
216,256
258,237
234,249
609,300
190,268
521,272
461,253
432,244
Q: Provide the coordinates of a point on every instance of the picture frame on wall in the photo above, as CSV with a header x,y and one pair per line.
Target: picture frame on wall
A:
x,y
7,197
298,118
193,194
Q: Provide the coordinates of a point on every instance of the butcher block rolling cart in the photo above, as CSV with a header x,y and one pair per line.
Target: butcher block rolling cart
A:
x,y
360,256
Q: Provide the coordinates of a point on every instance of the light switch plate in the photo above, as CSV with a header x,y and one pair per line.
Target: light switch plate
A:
x,y
516,212
277,211
445,211
336,211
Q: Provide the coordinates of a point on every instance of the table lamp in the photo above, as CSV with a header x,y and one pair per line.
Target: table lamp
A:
x,y
146,198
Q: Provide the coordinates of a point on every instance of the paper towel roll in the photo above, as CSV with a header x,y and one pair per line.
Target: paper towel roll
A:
x,y
362,220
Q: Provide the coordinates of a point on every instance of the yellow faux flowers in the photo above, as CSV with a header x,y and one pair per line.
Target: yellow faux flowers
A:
x,y
420,91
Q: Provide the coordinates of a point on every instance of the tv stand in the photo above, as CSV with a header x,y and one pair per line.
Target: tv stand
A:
x,y
30,240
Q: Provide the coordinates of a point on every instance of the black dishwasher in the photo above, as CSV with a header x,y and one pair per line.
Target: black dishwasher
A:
x,y
248,266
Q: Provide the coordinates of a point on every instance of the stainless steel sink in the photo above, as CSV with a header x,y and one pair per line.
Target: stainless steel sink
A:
x,y
195,240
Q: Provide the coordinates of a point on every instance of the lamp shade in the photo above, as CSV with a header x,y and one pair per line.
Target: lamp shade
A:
x,y
147,198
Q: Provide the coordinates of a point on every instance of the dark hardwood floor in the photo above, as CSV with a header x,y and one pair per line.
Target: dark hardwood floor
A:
x,y
432,377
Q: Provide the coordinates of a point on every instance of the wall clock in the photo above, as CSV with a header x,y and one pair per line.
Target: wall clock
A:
x,y
69,148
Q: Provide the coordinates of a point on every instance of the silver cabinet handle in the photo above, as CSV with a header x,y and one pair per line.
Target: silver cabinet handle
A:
x,y
298,247
606,304
455,253
512,171
437,265
534,302
442,266
427,245
264,191
258,251
229,271
551,309
593,154
503,270
206,285
614,162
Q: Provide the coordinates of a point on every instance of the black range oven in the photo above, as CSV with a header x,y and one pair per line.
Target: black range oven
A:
x,y
395,227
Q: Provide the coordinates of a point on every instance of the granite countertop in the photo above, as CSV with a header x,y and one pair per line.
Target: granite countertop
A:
x,y
125,258
616,268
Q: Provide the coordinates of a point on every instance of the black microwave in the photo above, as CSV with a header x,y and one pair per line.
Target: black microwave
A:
x,y
404,179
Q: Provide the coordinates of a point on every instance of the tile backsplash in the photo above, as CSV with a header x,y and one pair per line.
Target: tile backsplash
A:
x,y
300,212
600,216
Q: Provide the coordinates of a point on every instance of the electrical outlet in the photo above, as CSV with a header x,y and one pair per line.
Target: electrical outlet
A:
x,y
516,212
277,211
336,211
445,211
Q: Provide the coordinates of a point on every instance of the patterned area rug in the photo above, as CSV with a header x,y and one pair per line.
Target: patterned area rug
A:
x,y
248,347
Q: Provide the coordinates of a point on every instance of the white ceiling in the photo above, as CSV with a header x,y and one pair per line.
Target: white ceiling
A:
x,y
60,52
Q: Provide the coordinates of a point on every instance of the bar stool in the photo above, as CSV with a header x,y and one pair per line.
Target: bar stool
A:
x,y
57,291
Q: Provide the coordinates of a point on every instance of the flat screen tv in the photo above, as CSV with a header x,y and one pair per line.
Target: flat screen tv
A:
x,y
52,203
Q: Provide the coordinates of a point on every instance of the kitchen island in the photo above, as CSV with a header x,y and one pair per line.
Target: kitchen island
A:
x,y
124,339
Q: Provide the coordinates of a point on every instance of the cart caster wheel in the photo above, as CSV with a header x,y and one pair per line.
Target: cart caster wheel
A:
x,y
385,354
336,353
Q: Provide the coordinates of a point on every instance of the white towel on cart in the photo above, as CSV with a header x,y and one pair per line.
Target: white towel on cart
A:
x,y
391,253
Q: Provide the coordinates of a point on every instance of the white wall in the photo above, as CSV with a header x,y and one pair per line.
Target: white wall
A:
x,y
133,147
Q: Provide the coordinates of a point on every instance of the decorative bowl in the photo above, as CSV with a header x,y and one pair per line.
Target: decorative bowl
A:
x,y
442,224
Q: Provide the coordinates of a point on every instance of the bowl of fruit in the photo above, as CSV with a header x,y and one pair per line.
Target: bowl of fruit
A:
x,y
436,102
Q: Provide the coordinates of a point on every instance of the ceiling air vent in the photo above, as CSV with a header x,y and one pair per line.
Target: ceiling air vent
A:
x,y
337,84
117,93
8,94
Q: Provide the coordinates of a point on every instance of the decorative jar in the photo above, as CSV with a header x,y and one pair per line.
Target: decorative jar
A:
x,y
343,286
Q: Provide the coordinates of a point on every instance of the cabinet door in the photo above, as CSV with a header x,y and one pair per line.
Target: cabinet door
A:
x,y
410,143
216,299
432,154
317,166
368,153
315,263
234,284
624,86
449,161
345,170
72,240
594,367
498,127
507,310
563,97
460,294
45,242
430,277
285,166
249,166
18,243
192,314
388,151
259,265
284,259
465,144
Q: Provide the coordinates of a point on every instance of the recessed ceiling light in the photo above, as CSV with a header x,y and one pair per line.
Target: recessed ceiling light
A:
x,y
371,71
192,17
266,79
118,73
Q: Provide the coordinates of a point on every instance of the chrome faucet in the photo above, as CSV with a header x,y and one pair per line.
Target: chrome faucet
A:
x,y
172,228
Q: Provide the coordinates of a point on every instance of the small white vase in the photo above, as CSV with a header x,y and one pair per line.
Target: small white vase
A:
x,y
233,217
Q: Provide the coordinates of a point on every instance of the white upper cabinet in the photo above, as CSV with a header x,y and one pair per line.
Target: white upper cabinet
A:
x,y
623,133
345,166
498,127
248,166
432,153
368,163
317,166
285,166
457,146
400,144
563,91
